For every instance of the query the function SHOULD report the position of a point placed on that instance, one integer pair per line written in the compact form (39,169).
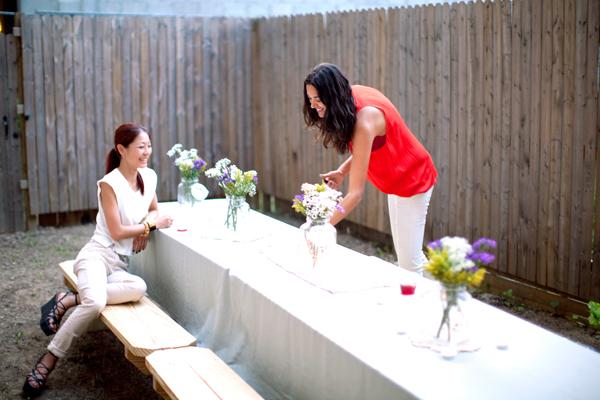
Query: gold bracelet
(151,224)
(146,229)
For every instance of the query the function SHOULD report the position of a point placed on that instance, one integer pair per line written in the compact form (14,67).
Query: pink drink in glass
(407,289)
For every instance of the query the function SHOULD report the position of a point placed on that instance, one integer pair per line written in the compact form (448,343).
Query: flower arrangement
(189,163)
(317,202)
(456,264)
(233,180)
(453,261)
(236,184)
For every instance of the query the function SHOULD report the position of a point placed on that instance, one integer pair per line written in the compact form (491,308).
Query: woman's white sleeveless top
(133,207)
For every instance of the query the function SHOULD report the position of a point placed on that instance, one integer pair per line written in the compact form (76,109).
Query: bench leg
(159,389)
(139,362)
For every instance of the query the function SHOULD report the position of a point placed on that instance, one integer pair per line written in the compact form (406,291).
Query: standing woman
(128,212)
(383,150)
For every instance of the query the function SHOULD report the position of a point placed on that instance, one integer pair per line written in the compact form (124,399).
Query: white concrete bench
(190,373)
(141,326)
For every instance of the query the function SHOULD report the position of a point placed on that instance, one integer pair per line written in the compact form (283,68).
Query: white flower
(457,248)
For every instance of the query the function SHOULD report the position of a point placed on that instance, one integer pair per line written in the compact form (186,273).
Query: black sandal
(50,321)
(38,376)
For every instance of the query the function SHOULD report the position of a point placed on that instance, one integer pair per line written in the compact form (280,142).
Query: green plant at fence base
(508,294)
(594,317)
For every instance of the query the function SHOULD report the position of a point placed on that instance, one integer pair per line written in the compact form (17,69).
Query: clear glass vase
(190,192)
(320,236)
(454,325)
(237,211)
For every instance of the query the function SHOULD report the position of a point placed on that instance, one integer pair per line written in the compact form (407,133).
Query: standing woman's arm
(369,122)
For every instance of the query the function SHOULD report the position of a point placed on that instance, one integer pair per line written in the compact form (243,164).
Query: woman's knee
(93,304)
(138,289)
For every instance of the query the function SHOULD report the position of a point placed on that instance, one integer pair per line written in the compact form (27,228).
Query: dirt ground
(96,367)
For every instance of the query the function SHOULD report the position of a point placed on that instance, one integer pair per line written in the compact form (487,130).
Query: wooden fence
(186,79)
(505,97)
(503,94)
(12,209)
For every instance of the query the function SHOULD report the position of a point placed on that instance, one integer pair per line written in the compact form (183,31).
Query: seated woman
(128,212)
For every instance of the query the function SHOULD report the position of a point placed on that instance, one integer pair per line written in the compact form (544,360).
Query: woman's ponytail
(112,160)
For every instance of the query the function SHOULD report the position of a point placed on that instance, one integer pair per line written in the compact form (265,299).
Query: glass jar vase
(454,327)
(190,192)
(237,211)
(320,236)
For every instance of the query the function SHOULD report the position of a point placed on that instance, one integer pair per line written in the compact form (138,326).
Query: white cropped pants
(101,279)
(407,220)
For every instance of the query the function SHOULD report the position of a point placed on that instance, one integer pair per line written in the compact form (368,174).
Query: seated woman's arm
(117,230)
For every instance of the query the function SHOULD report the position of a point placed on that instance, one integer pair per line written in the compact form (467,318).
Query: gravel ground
(96,367)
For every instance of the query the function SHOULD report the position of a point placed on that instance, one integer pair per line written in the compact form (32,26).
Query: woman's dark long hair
(335,92)
(124,135)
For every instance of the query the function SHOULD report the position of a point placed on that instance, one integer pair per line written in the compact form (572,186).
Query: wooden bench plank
(197,373)
(142,326)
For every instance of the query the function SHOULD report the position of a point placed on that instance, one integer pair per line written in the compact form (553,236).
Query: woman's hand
(139,243)
(164,221)
(334,179)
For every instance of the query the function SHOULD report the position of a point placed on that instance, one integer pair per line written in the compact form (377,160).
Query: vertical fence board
(80,134)
(40,116)
(461,160)
(544,218)
(68,166)
(525,149)
(506,33)
(107,87)
(86,123)
(516,131)
(495,108)
(15,166)
(486,122)
(477,107)
(589,274)
(534,246)
(30,123)
(60,95)
(555,267)
(5,201)
(50,113)
(568,187)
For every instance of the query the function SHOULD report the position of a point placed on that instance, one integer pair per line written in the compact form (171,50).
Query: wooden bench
(141,326)
(196,373)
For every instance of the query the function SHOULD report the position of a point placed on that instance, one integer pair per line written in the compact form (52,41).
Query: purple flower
(299,197)
(255,179)
(484,243)
(226,179)
(436,245)
(483,258)
(199,163)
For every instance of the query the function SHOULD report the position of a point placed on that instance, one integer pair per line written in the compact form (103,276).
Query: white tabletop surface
(294,332)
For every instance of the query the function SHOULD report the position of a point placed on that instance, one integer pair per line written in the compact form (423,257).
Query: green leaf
(594,318)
